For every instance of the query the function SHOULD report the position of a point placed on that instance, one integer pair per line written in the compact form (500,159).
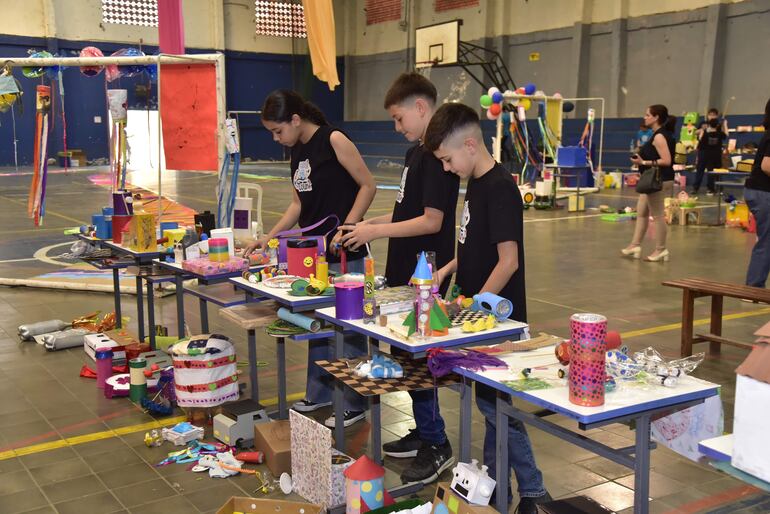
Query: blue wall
(249,78)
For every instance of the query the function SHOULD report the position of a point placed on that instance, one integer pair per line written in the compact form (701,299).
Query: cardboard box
(93,341)
(274,440)
(455,504)
(262,505)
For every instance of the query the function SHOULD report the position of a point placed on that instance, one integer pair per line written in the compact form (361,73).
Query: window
(380,11)
(143,13)
(280,18)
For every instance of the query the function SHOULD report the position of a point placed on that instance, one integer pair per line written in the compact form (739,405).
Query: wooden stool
(250,317)
(684,214)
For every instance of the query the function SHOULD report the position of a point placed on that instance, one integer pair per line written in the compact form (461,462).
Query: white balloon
(492,90)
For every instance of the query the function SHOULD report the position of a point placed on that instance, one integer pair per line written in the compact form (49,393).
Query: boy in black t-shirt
(490,258)
(423,218)
(711,136)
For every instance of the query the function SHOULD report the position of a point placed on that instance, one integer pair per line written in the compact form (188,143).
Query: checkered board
(466,315)
(416,377)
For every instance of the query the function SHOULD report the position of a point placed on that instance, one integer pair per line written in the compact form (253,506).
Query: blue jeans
(700,171)
(320,384)
(425,408)
(759,265)
(520,457)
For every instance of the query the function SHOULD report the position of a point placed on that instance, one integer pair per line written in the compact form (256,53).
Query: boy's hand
(258,244)
(358,235)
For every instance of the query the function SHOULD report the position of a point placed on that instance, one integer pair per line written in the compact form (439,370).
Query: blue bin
(571,156)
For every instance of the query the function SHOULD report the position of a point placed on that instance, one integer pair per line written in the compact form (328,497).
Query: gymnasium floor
(572,266)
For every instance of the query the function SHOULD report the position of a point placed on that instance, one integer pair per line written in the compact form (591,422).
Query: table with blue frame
(140,259)
(504,331)
(300,304)
(738,179)
(626,404)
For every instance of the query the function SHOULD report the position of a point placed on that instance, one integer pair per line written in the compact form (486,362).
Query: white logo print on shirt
(464,223)
(302,181)
(400,195)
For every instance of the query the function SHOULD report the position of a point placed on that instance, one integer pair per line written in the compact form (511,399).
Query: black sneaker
(405,447)
(351,417)
(306,405)
(430,462)
(528,505)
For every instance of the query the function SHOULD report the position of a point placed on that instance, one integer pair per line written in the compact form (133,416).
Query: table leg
(151,314)
(116,293)
(204,310)
(688,309)
(283,410)
(642,465)
(716,322)
(501,444)
(376,428)
(339,395)
(252,341)
(179,305)
(719,205)
(466,393)
(140,307)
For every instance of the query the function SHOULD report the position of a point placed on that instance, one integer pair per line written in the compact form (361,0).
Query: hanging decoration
(91,71)
(33,72)
(226,196)
(10,93)
(36,202)
(117,100)
(113,71)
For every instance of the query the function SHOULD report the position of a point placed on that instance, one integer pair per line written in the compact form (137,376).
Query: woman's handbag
(650,181)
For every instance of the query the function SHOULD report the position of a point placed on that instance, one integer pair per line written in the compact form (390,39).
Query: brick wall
(379,11)
(446,5)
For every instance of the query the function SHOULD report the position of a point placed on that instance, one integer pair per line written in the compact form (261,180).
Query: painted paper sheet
(189,116)
(683,430)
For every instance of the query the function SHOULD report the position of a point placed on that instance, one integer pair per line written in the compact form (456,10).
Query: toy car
(235,425)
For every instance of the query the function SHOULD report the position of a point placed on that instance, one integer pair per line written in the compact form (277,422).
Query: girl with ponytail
(658,151)
(329,178)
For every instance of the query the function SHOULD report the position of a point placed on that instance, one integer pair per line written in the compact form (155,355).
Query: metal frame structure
(217,59)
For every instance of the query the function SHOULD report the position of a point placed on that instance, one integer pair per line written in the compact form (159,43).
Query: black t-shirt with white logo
(710,146)
(493,213)
(424,183)
(324,186)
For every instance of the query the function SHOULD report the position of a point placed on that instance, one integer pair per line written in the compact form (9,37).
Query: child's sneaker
(405,447)
(430,462)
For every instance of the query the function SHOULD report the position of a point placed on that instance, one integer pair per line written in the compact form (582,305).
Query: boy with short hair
(711,136)
(490,258)
(423,219)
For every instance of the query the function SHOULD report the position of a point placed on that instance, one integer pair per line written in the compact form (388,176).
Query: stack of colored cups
(218,250)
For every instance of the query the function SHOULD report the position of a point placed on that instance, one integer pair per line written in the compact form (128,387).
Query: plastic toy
(480,325)
(235,425)
(380,366)
(472,483)
(182,433)
(496,305)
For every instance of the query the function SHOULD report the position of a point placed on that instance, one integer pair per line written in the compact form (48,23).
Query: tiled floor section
(571,267)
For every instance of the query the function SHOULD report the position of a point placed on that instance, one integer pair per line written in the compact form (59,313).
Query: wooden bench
(693,288)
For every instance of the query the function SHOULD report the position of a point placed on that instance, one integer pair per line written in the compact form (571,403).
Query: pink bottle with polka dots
(587,353)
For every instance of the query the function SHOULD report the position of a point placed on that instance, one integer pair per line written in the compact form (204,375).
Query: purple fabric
(441,362)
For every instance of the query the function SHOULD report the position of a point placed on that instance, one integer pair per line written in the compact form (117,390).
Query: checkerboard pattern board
(416,377)
(143,13)
(280,18)
(466,315)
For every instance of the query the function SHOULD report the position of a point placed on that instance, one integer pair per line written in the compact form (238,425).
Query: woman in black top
(757,196)
(658,151)
(329,177)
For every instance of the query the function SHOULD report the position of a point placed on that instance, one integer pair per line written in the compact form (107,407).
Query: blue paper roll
(313,325)
(99,222)
(491,303)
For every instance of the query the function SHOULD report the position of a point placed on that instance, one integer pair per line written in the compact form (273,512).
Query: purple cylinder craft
(167,380)
(122,203)
(349,300)
(588,348)
(103,366)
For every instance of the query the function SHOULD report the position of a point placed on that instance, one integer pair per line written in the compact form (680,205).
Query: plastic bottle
(103,366)
(27,332)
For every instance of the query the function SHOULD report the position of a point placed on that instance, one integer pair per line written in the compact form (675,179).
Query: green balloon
(485,101)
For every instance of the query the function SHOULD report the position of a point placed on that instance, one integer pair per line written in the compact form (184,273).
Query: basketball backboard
(437,45)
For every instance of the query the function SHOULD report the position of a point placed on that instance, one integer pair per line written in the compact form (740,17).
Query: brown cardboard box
(455,504)
(255,506)
(274,440)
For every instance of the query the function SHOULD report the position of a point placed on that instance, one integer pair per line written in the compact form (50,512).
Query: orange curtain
(322,40)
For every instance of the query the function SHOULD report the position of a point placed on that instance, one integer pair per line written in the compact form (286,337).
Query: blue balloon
(530,89)
(152,72)
(497,97)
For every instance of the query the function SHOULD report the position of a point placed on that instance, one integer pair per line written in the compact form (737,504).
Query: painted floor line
(115,432)
(697,322)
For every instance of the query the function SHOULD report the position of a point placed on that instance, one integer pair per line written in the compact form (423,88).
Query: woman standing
(757,195)
(329,177)
(658,151)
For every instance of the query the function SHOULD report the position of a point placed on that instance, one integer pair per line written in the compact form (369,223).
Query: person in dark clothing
(423,219)
(658,151)
(490,258)
(329,178)
(757,196)
(711,137)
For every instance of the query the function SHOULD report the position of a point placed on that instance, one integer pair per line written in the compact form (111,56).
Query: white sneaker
(350,418)
(306,405)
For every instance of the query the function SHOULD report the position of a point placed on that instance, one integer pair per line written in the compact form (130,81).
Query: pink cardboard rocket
(364,486)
